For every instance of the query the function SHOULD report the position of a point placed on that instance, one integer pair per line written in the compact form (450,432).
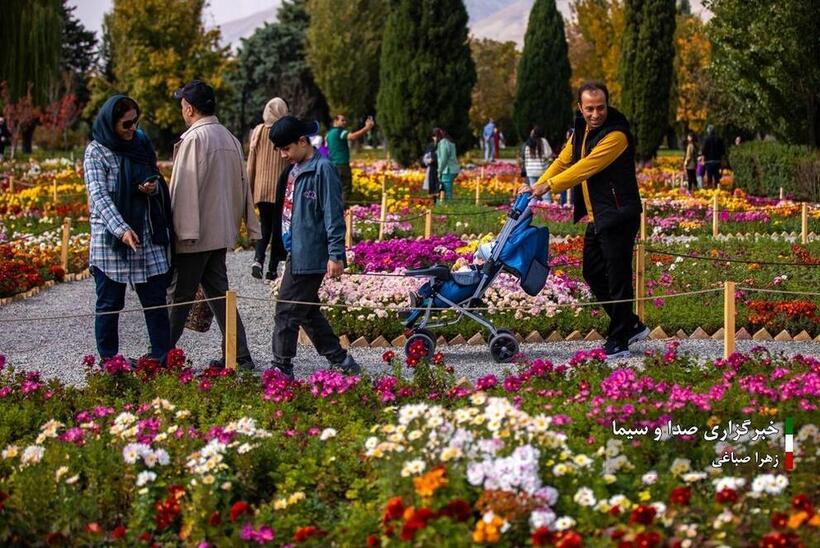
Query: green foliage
(761,63)
(494,91)
(30,55)
(543,96)
(155,47)
(763,168)
(272,63)
(78,53)
(426,75)
(344,49)
(647,56)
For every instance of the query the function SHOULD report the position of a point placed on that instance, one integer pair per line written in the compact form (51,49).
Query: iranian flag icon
(789,431)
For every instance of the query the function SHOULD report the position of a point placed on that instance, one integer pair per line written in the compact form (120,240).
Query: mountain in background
(502,20)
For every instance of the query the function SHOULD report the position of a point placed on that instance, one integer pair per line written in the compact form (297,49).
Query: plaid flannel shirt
(102,167)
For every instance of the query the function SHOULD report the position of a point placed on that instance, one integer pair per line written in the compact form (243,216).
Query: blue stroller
(520,249)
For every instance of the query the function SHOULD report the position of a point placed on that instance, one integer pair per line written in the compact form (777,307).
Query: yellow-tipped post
(715,213)
(640,281)
(383,216)
(428,224)
(230,329)
(349,228)
(64,243)
(804,224)
(728,318)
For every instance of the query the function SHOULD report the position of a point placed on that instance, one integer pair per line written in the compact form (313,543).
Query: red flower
(643,515)
(417,520)
(3,498)
(175,359)
(118,532)
(615,510)
(393,510)
(680,495)
(373,541)
(568,539)
(215,519)
(541,537)
(457,510)
(802,502)
(438,358)
(779,520)
(726,496)
(388,356)
(773,540)
(647,539)
(304,533)
(238,509)
(55,538)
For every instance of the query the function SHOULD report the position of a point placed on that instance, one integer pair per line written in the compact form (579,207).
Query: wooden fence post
(428,224)
(804,224)
(64,244)
(715,216)
(643,221)
(441,196)
(781,194)
(54,190)
(728,319)
(478,192)
(349,228)
(640,281)
(11,183)
(230,329)
(383,216)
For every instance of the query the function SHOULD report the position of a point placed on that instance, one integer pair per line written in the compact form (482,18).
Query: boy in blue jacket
(309,206)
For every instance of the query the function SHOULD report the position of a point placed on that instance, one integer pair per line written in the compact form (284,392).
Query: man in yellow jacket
(599,160)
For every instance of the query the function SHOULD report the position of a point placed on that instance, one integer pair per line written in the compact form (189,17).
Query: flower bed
(677,454)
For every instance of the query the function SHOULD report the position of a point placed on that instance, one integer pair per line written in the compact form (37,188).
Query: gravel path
(56,347)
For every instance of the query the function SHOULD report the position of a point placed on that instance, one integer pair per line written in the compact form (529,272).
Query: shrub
(762,168)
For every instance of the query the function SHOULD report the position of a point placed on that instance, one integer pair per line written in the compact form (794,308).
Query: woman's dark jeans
(111,298)
(266,220)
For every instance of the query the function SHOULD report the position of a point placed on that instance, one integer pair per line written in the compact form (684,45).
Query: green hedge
(762,168)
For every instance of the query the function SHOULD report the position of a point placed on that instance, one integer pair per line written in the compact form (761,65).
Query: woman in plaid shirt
(130,225)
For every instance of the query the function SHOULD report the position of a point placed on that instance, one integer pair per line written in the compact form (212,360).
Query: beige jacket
(209,193)
(265,164)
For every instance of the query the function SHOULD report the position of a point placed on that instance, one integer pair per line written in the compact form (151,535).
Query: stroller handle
(523,201)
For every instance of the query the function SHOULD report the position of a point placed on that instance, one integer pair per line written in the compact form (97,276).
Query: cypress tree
(647,57)
(543,96)
(426,75)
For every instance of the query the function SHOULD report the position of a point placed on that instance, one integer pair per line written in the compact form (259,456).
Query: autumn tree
(494,91)
(426,75)
(594,37)
(344,42)
(543,96)
(155,47)
(690,90)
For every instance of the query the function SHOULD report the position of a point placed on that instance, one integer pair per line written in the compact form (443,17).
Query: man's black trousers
(608,271)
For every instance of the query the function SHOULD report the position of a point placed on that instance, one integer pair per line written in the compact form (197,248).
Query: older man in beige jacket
(210,197)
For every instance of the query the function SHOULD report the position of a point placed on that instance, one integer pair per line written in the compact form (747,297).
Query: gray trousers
(208,269)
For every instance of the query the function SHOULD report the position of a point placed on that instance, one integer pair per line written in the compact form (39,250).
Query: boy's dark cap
(288,129)
(200,95)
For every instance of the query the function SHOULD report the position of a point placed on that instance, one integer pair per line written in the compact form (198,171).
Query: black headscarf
(138,162)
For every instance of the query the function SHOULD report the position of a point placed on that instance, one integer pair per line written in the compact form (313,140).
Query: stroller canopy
(526,254)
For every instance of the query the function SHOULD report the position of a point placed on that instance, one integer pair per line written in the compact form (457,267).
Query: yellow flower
(644,496)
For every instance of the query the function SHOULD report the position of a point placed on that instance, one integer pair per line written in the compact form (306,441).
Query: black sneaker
(639,332)
(286,370)
(349,366)
(271,275)
(615,350)
(256,270)
(246,364)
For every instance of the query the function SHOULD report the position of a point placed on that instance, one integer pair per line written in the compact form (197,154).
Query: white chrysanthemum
(649,478)
(10,451)
(145,477)
(563,523)
(680,466)
(327,433)
(450,453)
(582,460)
(809,431)
(728,483)
(32,454)
(692,477)
(584,497)
(414,435)
(478,398)
(413,468)
(371,443)
(541,517)
(162,457)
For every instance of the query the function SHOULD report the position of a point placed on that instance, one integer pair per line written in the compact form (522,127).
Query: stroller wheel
(503,347)
(423,337)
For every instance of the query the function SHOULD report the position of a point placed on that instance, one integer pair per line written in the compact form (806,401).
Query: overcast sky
(91,12)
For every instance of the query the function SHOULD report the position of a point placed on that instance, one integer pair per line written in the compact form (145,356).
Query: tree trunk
(28,137)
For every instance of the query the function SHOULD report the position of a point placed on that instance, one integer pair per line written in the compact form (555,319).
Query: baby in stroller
(520,249)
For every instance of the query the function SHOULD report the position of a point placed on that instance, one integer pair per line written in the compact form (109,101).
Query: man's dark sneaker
(286,370)
(349,366)
(638,333)
(615,350)
(271,275)
(256,270)
(217,364)
(246,364)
